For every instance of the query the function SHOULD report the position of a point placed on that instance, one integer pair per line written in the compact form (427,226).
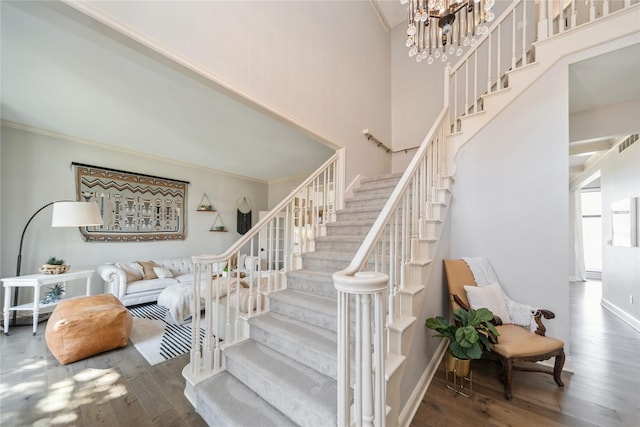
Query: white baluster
(573,13)
(513,40)
(592,11)
(466,87)
(498,54)
(344,375)
(476,91)
(489,66)
(543,24)
(524,32)
(561,17)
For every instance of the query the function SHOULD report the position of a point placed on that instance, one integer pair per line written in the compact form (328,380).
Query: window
(592,229)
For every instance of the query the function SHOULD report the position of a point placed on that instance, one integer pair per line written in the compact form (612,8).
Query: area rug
(156,336)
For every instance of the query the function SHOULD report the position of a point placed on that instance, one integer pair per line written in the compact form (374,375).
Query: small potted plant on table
(54,266)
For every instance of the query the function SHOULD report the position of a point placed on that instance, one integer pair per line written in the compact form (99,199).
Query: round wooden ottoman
(81,327)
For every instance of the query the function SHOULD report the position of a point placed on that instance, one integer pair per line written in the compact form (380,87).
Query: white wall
(511,199)
(36,169)
(620,179)
(323,65)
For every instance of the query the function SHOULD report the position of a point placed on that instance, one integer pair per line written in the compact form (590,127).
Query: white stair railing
(507,46)
(231,287)
(377,273)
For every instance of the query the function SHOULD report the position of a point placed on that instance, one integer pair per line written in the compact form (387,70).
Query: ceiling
(64,73)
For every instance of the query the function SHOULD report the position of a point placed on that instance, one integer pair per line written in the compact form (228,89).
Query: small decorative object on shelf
(54,266)
(205,204)
(218,225)
(53,295)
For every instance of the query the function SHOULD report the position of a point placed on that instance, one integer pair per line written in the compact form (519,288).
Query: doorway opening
(591,206)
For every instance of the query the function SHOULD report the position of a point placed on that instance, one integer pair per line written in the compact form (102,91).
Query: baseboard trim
(617,311)
(413,403)
(568,364)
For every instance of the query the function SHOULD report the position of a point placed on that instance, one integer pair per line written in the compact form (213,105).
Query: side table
(36,281)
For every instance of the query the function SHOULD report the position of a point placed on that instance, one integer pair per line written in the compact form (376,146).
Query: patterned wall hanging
(134,207)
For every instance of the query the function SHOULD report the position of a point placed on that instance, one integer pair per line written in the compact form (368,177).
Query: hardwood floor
(119,388)
(603,391)
(116,388)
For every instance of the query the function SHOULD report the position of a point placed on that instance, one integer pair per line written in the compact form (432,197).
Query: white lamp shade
(75,214)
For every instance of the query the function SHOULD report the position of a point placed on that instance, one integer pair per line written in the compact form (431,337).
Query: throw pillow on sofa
(147,268)
(132,270)
(162,273)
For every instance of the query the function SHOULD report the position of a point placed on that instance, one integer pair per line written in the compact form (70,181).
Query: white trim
(413,403)
(383,20)
(626,317)
(568,364)
(348,192)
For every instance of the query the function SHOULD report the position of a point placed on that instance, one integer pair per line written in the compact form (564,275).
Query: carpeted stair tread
(306,301)
(312,281)
(301,393)
(226,402)
(305,307)
(310,345)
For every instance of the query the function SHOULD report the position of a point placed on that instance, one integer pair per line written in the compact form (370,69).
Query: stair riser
(335,246)
(293,408)
(351,216)
(312,287)
(319,264)
(365,203)
(351,230)
(289,346)
(382,192)
(327,321)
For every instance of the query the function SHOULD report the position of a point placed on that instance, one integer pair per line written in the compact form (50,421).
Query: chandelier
(436,27)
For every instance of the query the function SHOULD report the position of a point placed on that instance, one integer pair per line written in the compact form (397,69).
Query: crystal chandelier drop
(440,27)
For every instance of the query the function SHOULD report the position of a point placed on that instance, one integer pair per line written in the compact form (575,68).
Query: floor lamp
(66,213)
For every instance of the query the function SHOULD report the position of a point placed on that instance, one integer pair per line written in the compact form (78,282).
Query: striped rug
(156,336)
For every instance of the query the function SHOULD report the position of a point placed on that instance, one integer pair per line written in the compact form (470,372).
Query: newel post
(369,401)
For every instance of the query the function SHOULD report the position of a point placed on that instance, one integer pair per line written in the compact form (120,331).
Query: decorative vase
(461,367)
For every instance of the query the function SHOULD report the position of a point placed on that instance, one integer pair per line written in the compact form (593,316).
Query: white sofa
(126,280)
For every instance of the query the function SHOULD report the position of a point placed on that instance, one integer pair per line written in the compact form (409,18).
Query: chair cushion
(516,341)
(81,327)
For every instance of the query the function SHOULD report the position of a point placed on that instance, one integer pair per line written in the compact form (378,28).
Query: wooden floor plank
(603,391)
(120,388)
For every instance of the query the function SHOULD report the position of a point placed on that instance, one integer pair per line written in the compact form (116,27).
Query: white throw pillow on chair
(491,297)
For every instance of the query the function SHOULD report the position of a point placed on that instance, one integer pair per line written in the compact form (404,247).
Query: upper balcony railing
(507,46)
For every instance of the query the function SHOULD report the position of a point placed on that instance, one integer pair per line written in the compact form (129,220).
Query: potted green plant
(54,265)
(469,336)
(54,294)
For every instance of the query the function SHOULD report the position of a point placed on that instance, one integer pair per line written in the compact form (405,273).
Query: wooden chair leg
(557,368)
(508,374)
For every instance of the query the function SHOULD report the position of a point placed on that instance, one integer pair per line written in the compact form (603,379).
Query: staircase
(285,373)
(292,369)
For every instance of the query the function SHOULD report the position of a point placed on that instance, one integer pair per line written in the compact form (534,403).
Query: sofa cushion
(184,278)
(149,285)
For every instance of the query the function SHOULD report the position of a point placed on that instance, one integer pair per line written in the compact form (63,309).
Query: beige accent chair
(515,343)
